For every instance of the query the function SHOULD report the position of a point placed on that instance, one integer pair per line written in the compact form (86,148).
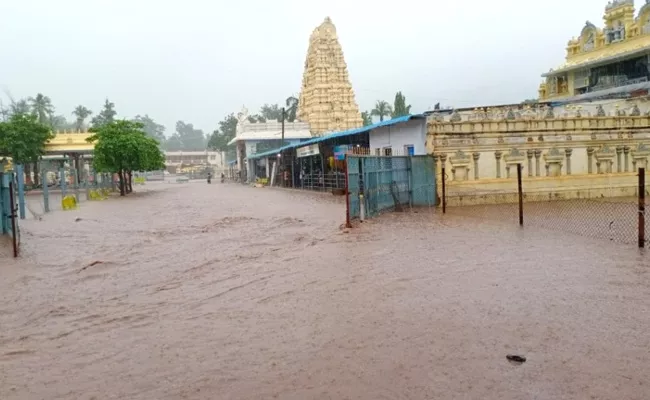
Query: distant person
(209,177)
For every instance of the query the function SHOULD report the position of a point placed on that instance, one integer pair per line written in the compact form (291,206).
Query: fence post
(641,207)
(520,192)
(21,189)
(347,195)
(444,192)
(409,165)
(14,228)
(46,191)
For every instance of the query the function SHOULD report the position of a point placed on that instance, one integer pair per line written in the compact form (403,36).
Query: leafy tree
(106,116)
(192,139)
(382,109)
(81,113)
(122,147)
(399,106)
(151,128)
(256,118)
(19,107)
(42,107)
(228,126)
(218,141)
(226,132)
(271,112)
(292,108)
(367,118)
(59,122)
(23,138)
(174,143)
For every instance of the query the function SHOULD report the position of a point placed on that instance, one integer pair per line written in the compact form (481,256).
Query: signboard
(340,151)
(307,151)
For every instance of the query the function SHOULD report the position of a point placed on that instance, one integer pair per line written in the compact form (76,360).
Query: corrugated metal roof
(334,135)
(270,135)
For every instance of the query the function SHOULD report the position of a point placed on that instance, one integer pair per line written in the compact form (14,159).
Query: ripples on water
(223,291)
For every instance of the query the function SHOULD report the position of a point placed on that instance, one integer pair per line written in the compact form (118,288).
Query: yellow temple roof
(623,35)
(610,53)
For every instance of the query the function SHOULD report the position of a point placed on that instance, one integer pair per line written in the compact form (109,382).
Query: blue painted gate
(390,182)
(9,209)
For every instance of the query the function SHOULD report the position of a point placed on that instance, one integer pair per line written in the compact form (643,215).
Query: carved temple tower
(327,100)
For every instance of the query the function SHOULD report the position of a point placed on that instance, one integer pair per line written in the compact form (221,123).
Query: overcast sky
(198,60)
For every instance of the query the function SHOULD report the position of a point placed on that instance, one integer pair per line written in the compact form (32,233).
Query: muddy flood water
(196,291)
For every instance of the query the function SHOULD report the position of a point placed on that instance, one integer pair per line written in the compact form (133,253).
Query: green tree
(382,109)
(106,116)
(226,132)
(122,147)
(19,107)
(23,138)
(292,108)
(399,106)
(218,141)
(174,143)
(271,112)
(151,128)
(81,113)
(42,107)
(192,139)
(256,118)
(59,123)
(367,118)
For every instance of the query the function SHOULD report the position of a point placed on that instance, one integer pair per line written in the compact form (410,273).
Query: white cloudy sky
(198,60)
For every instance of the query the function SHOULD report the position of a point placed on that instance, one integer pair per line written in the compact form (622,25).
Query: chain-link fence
(617,219)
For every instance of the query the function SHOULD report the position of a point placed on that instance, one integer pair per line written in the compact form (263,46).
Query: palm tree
(42,107)
(292,108)
(81,113)
(382,109)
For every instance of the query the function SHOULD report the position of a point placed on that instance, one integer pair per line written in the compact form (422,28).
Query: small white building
(258,137)
(214,159)
(400,136)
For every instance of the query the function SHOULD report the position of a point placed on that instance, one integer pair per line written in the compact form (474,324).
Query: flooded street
(196,291)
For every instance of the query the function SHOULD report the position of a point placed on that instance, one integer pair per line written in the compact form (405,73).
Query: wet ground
(227,292)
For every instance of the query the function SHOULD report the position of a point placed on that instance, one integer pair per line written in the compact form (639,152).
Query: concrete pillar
(497,156)
(567,153)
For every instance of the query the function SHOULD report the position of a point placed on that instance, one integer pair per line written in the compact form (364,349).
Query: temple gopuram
(607,62)
(327,100)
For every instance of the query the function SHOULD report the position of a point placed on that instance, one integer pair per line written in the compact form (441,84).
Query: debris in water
(90,265)
(516,359)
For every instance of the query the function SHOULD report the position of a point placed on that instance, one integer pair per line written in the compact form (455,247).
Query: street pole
(283,116)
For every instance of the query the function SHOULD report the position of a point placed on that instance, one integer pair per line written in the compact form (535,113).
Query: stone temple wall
(562,158)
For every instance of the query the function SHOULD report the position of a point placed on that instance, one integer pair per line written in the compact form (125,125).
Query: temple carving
(608,61)
(327,100)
